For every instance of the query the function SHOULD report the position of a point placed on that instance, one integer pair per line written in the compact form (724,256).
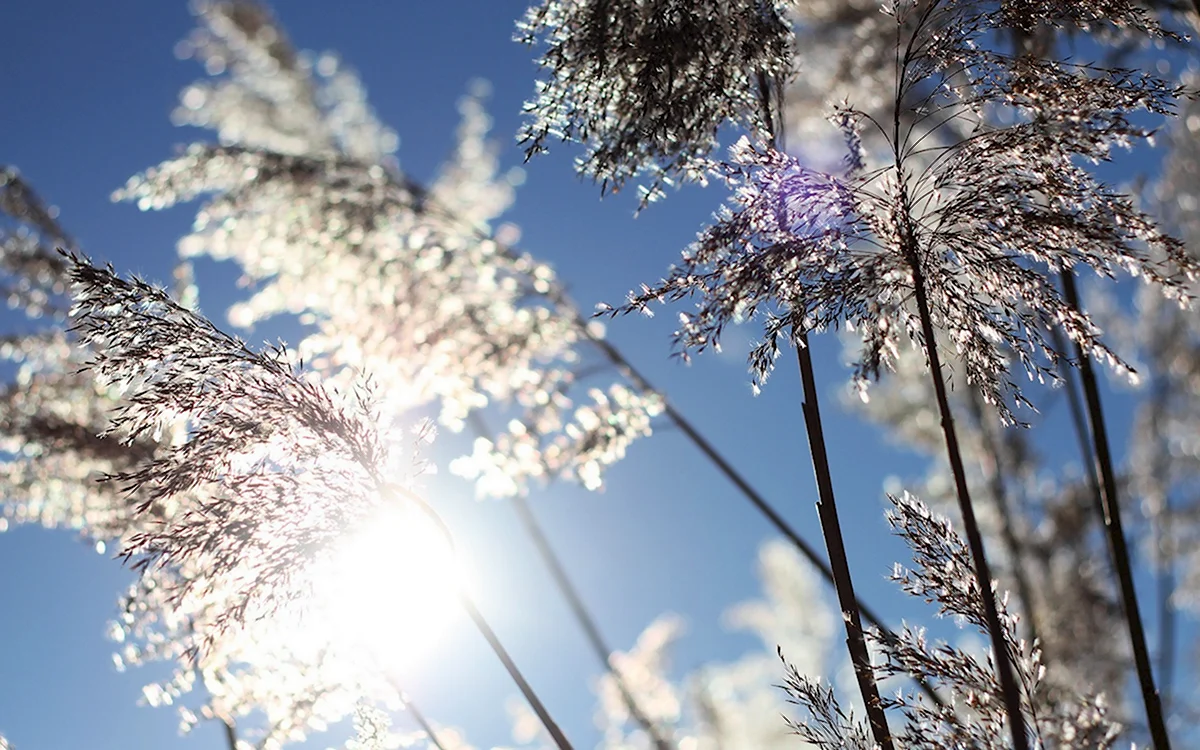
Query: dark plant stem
(586,621)
(992,465)
(228,727)
(1160,518)
(556,734)
(1167,630)
(1116,535)
(489,635)
(422,722)
(831,527)
(583,616)
(1079,423)
(414,712)
(747,490)
(1011,692)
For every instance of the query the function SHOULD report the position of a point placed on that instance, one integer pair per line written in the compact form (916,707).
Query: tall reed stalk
(831,528)
(1168,630)
(1011,692)
(230,733)
(417,715)
(493,640)
(1079,424)
(587,622)
(1115,534)
(481,624)
(1160,520)
(993,470)
(422,722)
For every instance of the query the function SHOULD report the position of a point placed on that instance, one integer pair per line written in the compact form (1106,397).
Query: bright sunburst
(391,587)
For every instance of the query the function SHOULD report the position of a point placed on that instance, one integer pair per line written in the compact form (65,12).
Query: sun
(391,587)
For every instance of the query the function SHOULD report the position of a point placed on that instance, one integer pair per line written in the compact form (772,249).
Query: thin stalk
(481,623)
(856,642)
(586,621)
(1167,621)
(1160,516)
(228,728)
(1011,692)
(1079,423)
(414,712)
(727,470)
(422,722)
(583,616)
(992,465)
(489,635)
(1117,545)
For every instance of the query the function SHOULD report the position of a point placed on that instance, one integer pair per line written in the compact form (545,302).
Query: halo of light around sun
(391,588)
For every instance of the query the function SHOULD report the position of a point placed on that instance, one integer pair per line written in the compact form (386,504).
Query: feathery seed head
(645,85)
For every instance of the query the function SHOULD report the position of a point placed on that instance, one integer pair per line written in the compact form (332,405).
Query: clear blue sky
(86,92)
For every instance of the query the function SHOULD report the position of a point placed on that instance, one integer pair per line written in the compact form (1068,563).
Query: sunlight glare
(391,588)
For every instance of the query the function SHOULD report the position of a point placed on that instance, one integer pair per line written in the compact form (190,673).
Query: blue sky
(87,91)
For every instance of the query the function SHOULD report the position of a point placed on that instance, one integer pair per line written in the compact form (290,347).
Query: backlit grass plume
(52,414)
(645,85)
(29,231)
(276,469)
(402,280)
(278,472)
(808,250)
(986,220)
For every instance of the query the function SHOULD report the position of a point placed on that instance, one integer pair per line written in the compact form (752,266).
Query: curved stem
(1011,692)
(1117,545)
(856,642)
